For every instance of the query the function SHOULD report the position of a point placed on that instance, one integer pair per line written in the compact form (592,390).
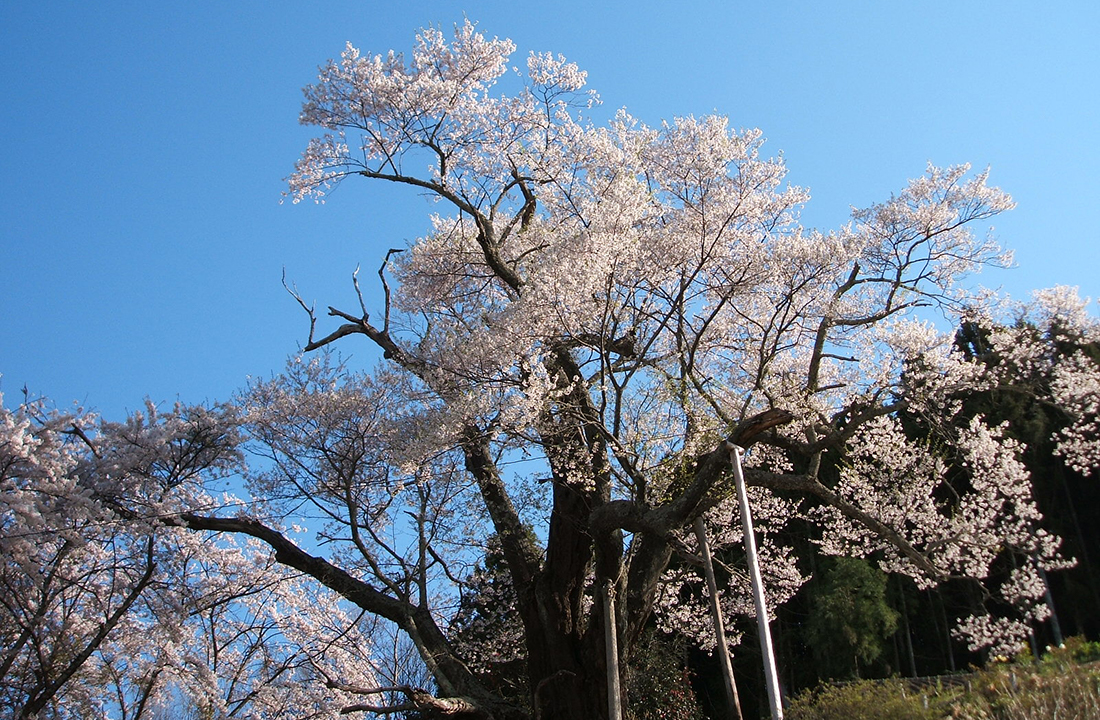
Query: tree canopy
(600,315)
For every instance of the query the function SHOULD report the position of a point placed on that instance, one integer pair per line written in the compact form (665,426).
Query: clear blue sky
(144,145)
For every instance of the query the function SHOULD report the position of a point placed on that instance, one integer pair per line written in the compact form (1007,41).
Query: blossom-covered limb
(453,676)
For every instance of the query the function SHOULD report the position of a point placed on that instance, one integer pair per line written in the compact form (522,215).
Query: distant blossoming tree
(109,609)
(82,578)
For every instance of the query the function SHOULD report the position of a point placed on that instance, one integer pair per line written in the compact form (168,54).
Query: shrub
(1063,685)
(658,681)
(867,700)
(1044,691)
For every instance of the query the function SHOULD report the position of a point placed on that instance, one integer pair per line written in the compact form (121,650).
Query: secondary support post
(770,675)
(719,622)
(611,654)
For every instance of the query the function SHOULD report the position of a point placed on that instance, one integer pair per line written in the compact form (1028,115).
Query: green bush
(867,700)
(658,681)
(1041,692)
(1063,685)
(1078,650)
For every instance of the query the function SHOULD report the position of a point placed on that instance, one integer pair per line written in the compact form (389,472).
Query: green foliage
(1064,684)
(659,682)
(850,618)
(1050,689)
(866,700)
(1078,649)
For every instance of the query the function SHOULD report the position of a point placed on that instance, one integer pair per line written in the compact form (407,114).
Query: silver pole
(770,675)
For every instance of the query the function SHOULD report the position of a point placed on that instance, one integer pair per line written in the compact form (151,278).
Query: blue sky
(142,237)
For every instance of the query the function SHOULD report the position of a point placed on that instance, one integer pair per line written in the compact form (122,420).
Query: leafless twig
(293,290)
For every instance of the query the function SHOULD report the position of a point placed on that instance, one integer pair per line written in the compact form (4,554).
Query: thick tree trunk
(568,683)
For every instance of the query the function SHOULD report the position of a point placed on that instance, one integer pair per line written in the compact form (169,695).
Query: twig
(309,309)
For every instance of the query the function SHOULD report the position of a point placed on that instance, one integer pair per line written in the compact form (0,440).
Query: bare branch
(417,700)
(308,308)
(385,288)
(75,429)
(358,292)
(340,332)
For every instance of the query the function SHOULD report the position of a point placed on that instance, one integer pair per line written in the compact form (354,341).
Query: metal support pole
(611,654)
(770,675)
(1055,626)
(719,621)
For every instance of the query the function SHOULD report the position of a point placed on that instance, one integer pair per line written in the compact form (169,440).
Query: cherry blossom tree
(108,607)
(85,555)
(1042,359)
(597,316)
(1047,349)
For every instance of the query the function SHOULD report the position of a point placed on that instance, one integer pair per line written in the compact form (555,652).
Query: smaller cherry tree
(1042,371)
(109,606)
(85,552)
(1048,348)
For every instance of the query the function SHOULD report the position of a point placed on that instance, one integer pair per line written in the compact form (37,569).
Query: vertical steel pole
(770,675)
